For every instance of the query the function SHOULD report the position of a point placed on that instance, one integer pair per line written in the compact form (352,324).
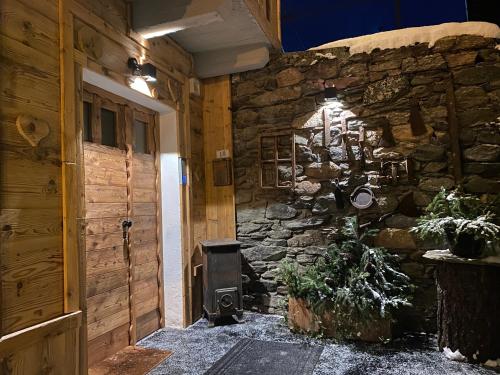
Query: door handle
(126,224)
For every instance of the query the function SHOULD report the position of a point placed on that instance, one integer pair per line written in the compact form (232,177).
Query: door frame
(170,194)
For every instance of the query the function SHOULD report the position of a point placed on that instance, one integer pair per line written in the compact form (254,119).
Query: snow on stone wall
(413,35)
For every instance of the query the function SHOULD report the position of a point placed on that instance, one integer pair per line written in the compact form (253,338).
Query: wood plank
(144,195)
(105,304)
(105,177)
(101,210)
(25,338)
(31,300)
(144,209)
(148,323)
(103,241)
(30,86)
(100,283)
(100,327)
(217,129)
(21,188)
(104,225)
(105,193)
(147,305)
(104,157)
(30,27)
(144,180)
(145,252)
(146,287)
(106,260)
(145,270)
(107,344)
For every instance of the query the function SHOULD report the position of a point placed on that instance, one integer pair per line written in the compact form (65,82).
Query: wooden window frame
(277,161)
(124,112)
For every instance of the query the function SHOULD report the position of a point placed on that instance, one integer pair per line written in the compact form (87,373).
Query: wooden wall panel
(217,128)
(46,348)
(143,236)
(31,266)
(107,258)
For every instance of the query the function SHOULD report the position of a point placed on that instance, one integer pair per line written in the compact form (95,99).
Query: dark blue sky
(308,23)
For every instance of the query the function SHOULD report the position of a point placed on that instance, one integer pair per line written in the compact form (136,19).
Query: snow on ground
(412,35)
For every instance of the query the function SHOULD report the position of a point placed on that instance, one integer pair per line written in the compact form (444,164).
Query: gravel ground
(196,348)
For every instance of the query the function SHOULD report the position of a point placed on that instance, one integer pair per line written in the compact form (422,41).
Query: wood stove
(222,291)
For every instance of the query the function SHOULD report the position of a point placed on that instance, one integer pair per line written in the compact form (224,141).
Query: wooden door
(123,265)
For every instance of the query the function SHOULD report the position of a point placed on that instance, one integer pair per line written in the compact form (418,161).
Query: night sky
(309,23)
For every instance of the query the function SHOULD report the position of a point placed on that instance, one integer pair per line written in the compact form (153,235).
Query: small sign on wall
(222,171)
(222,154)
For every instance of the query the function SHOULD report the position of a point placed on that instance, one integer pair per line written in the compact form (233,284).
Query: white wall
(171,220)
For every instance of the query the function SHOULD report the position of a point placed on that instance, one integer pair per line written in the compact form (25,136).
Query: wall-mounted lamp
(146,71)
(330,93)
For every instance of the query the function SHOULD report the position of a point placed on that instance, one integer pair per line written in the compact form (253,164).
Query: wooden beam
(68,158)
(269,27)
(81,221)
(217,129)
(26,337)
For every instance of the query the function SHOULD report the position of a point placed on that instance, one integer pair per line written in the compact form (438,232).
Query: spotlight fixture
(146,71)
(330,93)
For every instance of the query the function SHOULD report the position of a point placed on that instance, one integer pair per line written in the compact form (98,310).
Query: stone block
(477,75)
(387,89)
(307,188)
(470,96)
(393,238)
(423,63)
(484,152)
(478,184)
(280,211)
(307,223)
(435,184)
(309,120)
(461,58)
(323,171)
(277,96)
(289,77)
(429,152)
(265,253)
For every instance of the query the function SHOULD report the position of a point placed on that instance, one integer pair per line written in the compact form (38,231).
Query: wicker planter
(302,319)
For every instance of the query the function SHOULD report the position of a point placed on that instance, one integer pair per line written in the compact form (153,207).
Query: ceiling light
(330,93)
(146,71)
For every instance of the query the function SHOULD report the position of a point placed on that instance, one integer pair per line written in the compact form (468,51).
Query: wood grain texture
(217,126)
(31,253)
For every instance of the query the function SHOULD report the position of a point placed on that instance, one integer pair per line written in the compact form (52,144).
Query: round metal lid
(362,197)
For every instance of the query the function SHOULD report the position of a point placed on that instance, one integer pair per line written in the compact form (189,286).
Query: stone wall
(374,90)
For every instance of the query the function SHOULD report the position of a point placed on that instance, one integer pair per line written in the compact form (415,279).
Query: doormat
(130,361)
(250,356)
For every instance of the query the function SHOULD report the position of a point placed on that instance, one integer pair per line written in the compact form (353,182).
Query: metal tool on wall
(339,195)
(361,142)
(416,121)
(343,124)
(387,139)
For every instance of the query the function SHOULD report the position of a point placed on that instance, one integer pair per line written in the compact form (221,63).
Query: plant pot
(465,245)
(333,324)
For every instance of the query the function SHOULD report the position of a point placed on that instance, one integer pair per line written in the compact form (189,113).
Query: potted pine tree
(350,292)
(463,220)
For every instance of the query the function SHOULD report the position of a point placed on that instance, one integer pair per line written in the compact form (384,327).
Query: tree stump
(469,307)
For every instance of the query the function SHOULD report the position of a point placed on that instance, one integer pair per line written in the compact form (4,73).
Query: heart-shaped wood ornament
(32,129)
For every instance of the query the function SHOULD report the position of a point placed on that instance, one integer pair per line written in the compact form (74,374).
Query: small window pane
(108,127)
(140,140)
(267,148)
(268,175)
(87,124)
